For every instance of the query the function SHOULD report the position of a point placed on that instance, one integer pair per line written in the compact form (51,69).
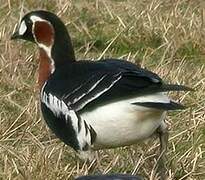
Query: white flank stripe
(82,137)
(58,107)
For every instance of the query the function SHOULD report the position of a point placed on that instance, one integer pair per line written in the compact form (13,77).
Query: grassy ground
(166,36)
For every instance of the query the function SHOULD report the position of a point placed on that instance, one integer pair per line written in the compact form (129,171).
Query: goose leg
(163,134)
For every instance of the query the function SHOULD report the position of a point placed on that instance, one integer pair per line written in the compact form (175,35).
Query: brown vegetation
(164,36)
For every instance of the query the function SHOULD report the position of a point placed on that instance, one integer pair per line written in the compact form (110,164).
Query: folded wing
(105,81)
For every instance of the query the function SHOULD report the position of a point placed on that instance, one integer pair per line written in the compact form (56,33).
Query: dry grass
(164,36)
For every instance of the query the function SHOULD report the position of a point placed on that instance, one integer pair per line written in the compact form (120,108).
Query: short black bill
(15,35)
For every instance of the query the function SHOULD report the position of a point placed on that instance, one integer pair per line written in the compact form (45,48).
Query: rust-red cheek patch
(44,33)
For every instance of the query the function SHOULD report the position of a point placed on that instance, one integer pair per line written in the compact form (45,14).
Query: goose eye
(29,21)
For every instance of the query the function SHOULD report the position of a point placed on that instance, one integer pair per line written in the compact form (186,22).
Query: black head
(27,24)
(24,30)
(47,30)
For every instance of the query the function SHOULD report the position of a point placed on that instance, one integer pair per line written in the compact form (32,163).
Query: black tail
(174,87)
(165,88)
(163,106)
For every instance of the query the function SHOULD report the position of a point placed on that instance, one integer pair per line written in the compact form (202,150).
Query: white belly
(121,123)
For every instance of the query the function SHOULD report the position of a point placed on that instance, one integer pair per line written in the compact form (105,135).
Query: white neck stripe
(47,49)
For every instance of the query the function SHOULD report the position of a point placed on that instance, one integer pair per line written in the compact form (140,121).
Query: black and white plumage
(94,105)
(106,103)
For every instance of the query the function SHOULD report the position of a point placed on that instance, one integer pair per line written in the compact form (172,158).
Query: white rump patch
(22,28)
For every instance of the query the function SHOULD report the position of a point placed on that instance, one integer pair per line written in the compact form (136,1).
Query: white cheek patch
(22,28)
